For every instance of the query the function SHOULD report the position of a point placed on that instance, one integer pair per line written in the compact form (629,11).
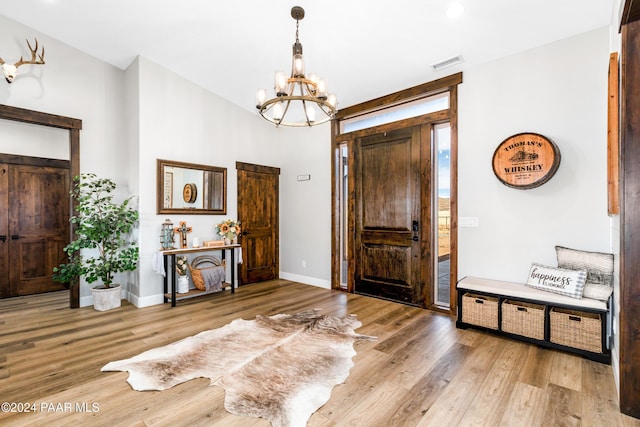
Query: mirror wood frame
(161,164)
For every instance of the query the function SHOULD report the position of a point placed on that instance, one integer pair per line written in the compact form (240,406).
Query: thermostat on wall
(304,177)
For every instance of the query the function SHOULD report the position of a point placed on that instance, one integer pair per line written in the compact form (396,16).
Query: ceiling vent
(447,63)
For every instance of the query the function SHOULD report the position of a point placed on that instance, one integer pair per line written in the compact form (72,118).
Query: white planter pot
(106,298)
(183,285)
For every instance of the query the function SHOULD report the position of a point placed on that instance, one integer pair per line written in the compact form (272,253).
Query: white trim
(306,280)
(615,367)
(145,301)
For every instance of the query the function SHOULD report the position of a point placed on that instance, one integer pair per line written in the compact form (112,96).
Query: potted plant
(102,246)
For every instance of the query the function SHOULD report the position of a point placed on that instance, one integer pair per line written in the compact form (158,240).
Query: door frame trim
(250,167)
(73,126)
(444,84)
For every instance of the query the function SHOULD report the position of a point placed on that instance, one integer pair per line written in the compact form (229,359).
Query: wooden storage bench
(581,326)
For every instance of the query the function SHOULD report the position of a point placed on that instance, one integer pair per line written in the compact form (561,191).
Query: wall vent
(447,63)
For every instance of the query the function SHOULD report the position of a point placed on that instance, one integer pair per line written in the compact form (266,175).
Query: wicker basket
(577,329)
(196,269)
(522,318)
(480,310)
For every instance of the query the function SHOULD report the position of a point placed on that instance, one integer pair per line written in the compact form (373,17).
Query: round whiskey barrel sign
(526,160)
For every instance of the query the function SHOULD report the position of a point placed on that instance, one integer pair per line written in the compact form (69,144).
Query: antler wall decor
(10,70)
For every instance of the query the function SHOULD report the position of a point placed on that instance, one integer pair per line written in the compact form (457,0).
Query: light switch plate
(304,177)
(468,221)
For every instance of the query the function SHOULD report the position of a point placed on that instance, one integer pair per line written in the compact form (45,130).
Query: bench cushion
(519,290)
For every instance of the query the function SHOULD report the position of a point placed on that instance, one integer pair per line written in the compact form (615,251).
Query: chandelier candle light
(304,101)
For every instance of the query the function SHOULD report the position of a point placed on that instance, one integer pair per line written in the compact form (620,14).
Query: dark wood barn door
(34,226)
(258,210)
(391,227)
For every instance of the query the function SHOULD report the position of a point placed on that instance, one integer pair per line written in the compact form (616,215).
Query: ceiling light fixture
(303,101)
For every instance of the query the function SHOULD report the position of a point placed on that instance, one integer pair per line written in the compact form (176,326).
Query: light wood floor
(421,370)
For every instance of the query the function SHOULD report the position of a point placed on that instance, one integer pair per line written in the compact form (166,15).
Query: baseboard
(87,300)
(615,366)
(145,301)
(321,283)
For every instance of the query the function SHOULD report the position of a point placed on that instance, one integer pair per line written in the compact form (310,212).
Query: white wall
(180,121)
(70,84)
(560,91)
(305,206)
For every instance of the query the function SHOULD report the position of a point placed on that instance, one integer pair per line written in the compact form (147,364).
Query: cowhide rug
(281,368)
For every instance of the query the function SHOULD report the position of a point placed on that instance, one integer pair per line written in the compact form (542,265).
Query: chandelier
(299,101)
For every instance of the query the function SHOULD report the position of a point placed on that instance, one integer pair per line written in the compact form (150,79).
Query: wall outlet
(304,263)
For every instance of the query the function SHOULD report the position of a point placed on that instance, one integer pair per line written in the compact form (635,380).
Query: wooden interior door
(72,164)
(391,227)
(38,227)
(258,207)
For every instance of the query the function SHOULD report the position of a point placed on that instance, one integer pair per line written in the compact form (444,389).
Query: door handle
(415,226)
(3,238)
(16,237)
(244,233)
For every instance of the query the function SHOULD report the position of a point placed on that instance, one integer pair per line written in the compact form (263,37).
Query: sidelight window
(442,211)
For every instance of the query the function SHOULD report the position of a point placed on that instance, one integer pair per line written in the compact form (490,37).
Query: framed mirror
(189,188)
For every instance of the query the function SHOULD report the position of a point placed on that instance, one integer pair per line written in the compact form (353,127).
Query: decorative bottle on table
(166,235)
(183,279)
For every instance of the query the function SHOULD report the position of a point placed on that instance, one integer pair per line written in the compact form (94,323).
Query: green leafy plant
(102,225)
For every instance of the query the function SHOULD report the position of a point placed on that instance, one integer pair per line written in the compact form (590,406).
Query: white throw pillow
(557,280)
(597,291)
(599,266)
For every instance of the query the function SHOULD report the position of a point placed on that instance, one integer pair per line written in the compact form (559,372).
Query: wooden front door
(258,197)
(391,215)
(34,227)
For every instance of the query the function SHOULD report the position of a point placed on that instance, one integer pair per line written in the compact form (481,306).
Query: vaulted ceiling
(364,49)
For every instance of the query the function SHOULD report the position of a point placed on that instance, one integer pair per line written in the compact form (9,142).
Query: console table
(169,256)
